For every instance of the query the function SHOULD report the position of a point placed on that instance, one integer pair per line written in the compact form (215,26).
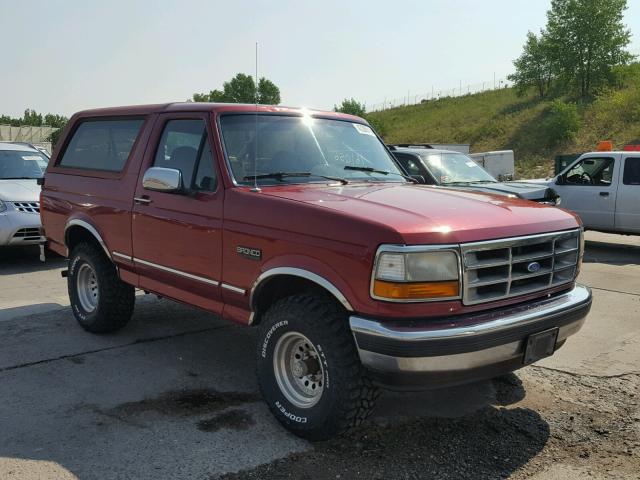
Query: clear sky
(61,56)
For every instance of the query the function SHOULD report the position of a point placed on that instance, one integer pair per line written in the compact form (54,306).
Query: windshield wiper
(381,172)
(282,175)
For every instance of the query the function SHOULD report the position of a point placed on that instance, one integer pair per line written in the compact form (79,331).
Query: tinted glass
(631,171)
(15,164)
(184,146)
(303,144)
(102,144)
(591,171)
(409,163)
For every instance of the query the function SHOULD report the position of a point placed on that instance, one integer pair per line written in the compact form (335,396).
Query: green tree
(268,92)
(56,121)
(242,89)
(351,106)
(32,118)
(533,67)
(562,122)
(586,38)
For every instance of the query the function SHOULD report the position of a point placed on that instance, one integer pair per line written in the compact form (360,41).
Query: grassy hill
(500,119)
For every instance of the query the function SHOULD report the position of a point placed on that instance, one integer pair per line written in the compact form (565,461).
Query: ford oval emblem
(533,267)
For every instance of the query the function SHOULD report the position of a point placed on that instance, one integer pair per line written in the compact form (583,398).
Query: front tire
(100,301)
(308,368)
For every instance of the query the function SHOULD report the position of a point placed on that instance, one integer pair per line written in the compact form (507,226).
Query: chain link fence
(459,91)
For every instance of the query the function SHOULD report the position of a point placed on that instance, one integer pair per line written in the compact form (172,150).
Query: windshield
(21,164)
(455,168)
(302,144)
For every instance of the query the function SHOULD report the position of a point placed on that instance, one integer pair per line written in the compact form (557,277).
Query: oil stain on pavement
(190,402)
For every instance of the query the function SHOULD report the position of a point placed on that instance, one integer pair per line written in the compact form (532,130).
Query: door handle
(144,200)
(604,194)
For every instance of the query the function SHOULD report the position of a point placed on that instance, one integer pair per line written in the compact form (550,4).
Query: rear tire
(100,301)
(308,368)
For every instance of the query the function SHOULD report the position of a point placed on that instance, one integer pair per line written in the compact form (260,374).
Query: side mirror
(159,179)
(560,180)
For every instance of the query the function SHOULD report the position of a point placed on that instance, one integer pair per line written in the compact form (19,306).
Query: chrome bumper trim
(485,338)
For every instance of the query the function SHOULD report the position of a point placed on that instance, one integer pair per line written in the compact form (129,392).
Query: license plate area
(540,345)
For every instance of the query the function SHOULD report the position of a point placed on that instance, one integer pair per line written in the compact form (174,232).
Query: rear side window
(631,171)
(102,144)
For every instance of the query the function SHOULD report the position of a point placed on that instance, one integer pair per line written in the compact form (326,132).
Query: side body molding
(297,272)
(76,222)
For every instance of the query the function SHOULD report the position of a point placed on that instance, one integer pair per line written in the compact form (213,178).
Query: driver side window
(596,172)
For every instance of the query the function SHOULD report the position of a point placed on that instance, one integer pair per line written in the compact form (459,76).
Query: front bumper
(435,353)
(20,228)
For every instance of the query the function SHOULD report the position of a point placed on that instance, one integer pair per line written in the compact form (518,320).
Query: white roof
(16,146)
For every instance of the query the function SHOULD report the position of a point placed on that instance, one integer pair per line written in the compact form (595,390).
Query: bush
(562,123)
(378,125)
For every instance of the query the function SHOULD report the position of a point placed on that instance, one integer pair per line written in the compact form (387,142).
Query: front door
(177,237)
(589,189)
(628,200)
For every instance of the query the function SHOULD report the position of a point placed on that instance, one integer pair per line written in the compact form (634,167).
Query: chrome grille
(27,207)
(499,269)
(32,233)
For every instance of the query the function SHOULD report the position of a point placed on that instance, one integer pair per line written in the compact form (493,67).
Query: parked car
(300,223)
(40,148)
(603,188)
(20,168)
(454,169)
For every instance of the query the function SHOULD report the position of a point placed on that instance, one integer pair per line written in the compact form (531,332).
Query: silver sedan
(20,168)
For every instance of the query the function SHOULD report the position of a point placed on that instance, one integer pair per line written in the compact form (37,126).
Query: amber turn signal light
(416,291)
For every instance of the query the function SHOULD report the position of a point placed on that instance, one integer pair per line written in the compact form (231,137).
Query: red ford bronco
(302,224)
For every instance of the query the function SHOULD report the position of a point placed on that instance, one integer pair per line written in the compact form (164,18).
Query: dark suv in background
(454,169)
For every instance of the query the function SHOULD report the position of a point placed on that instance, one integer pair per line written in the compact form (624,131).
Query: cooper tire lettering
(290,415)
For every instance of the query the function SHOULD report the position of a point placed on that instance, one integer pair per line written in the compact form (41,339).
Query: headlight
(416,276)
(3,206)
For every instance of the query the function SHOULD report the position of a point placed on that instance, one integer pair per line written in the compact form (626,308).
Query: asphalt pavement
(174,395)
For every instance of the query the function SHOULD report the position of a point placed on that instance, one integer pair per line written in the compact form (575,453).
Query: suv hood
(527,190)
(19,190)
(431,214)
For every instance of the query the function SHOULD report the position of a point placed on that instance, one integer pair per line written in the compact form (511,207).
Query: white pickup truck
(603,188)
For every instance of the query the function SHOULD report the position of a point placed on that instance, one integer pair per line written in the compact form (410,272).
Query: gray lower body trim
(233,289)
(210,281)
(177,272)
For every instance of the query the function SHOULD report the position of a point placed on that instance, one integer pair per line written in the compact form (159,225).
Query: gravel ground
(174,396)
(581,426)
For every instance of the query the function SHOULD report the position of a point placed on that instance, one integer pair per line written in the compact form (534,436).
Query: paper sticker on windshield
(31,157)
(363,129)
(472,164)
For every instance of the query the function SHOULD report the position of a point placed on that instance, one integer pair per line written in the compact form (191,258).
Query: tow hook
(64,273)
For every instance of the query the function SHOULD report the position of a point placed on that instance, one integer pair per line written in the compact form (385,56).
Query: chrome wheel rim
(298,370)
(87,287)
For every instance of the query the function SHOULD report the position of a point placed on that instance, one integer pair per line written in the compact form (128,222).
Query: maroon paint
(332,231)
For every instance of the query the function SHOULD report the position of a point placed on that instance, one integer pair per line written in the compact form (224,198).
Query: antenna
(255,136)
